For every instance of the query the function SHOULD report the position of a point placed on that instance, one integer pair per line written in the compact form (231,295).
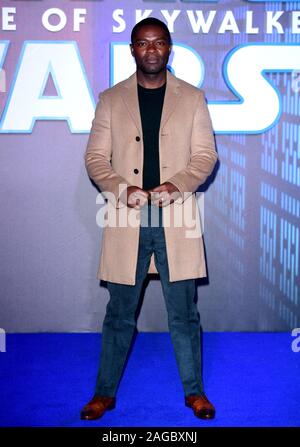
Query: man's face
(151,49)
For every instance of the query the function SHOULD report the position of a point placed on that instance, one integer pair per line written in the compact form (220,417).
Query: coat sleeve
(203,153)
(98,154)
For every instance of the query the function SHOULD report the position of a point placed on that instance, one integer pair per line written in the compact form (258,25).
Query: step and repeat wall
(55,58)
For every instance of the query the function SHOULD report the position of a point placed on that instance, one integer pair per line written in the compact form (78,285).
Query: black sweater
(151,104)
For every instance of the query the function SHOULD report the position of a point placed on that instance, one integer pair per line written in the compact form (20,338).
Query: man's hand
(134,197)
(164,194)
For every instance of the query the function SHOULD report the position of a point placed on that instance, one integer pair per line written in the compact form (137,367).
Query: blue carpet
(253,379)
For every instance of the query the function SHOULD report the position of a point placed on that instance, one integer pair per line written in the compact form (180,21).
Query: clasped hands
(162,195)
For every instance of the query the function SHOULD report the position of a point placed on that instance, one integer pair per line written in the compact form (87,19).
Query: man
(151,145)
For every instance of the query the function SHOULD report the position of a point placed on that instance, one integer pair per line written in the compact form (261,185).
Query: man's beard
(153,68)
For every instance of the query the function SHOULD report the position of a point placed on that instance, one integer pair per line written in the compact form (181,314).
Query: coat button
(137,138)
(136,171)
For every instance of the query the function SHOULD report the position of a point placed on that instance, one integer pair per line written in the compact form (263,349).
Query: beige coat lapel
(171,97)
(130,97)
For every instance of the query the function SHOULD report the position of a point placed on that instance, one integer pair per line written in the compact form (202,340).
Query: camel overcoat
(114,160)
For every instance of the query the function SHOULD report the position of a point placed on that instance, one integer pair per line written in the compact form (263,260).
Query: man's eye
(161,43)
(141,44)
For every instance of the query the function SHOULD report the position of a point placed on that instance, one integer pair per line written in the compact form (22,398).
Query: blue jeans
(120,322)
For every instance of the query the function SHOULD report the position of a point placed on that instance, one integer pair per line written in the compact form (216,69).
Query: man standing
(151,145)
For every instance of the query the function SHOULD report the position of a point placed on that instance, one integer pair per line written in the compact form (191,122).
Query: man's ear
(131,48)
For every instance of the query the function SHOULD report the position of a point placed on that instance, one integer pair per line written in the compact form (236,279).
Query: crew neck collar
(152,89)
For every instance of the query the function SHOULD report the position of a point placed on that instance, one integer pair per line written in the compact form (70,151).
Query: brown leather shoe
(202,407)
(96,407)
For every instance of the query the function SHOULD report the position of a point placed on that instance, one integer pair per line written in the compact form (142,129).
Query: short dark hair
(151,21)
